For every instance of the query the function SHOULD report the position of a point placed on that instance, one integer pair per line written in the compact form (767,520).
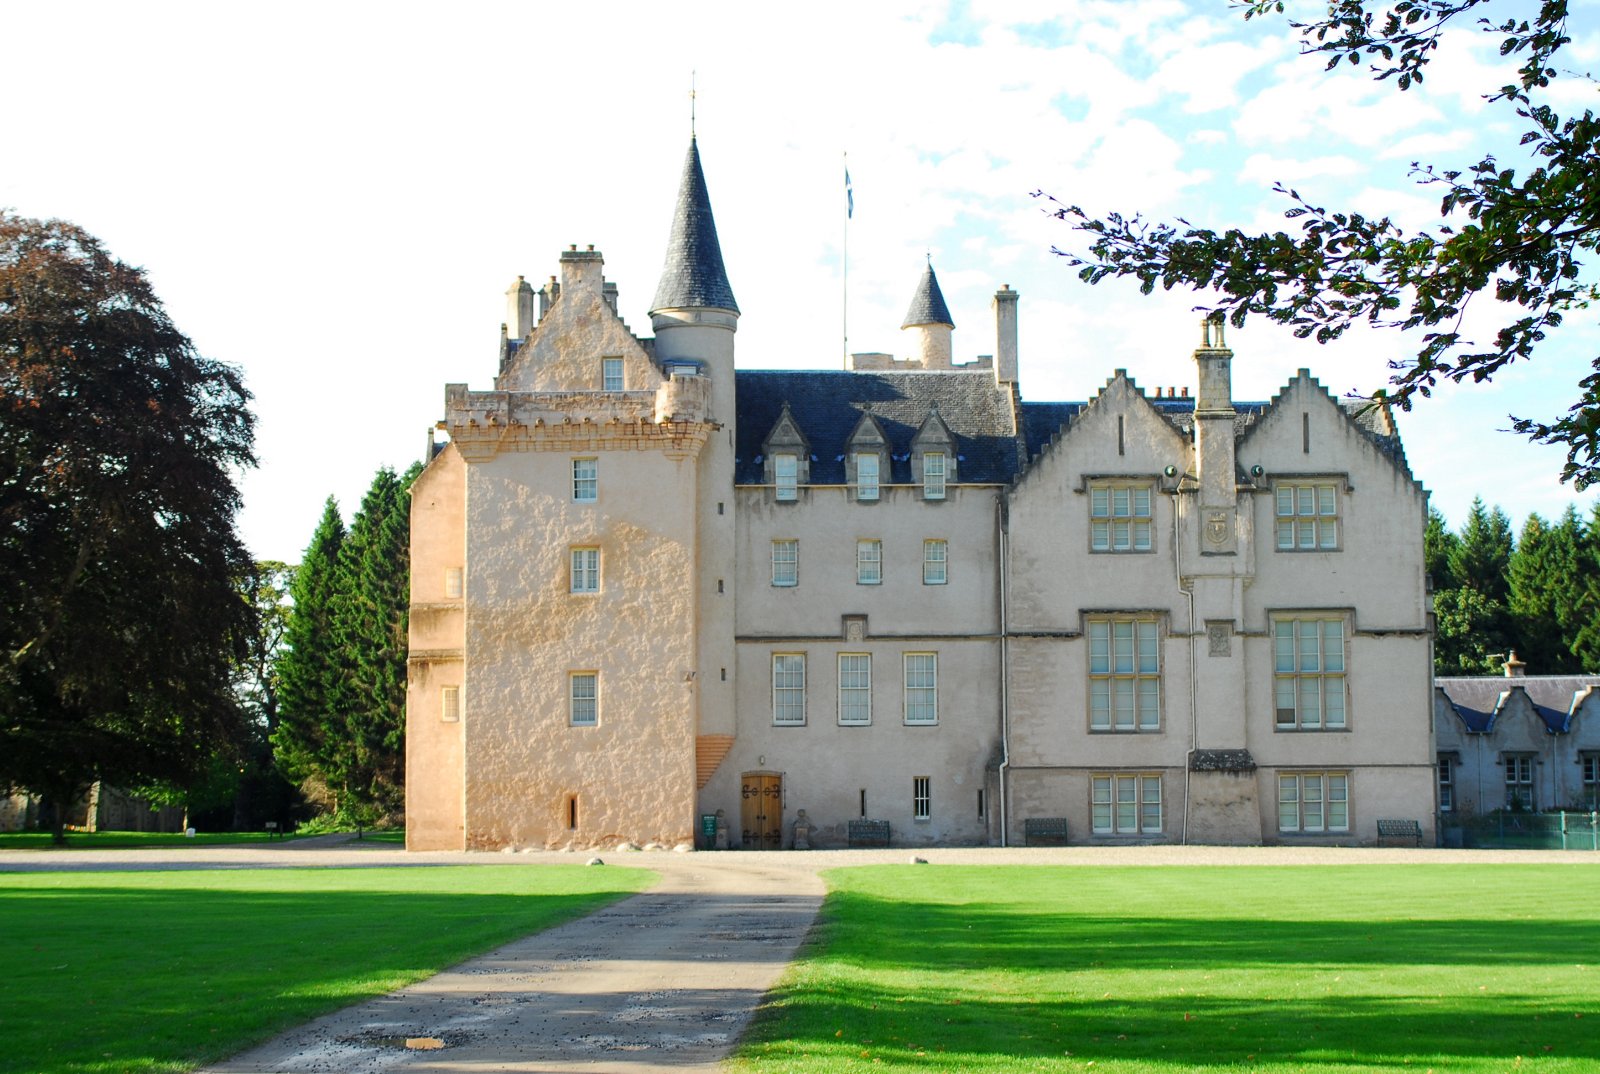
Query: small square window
(583,698)
(935,555)
(585,480)
(1125,805)
(869,562)
(585,570)
(611,374)
(1307,518)
(1120,518)
(454,583)
(1314,802)
(450,704)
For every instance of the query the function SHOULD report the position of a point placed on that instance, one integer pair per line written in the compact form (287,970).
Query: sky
(335,197)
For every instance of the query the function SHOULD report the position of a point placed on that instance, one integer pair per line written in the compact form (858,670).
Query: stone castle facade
(649,587)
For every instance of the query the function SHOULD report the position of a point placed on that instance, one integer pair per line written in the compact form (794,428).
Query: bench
(1408,830)
(869,833)
(1044,832)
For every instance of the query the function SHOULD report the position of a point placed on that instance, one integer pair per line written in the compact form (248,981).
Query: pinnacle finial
(691,105)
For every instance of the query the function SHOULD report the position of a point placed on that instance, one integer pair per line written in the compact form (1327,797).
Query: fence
(1525,831)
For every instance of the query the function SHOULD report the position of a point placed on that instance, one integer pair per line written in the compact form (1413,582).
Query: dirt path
(663,981)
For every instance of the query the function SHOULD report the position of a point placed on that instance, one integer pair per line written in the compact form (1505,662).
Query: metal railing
(1505,830)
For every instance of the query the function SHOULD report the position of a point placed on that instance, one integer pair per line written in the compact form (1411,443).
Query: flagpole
(844,305)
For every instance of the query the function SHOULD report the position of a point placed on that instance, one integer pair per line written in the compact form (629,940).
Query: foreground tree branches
(121,623)
(1518,238)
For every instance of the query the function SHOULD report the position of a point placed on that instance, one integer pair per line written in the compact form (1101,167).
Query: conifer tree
(1472,618)
(1482,554)
(306,740)
(1437,544)
(369,623)
(1546,585)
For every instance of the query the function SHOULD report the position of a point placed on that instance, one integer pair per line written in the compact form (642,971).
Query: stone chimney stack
(581,271)
(519,309)
(1515,669)
(1213,440)
(1005,335)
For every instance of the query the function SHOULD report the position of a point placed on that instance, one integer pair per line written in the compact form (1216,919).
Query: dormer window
(866,475)
(787,456)
(933,475)
(933,457)
(786,477)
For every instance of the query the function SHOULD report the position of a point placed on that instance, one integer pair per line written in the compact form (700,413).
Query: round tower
(694,314)
(930,323)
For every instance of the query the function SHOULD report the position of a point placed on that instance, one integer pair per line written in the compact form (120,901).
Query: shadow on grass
(129,978)
(946,936)
(987,984)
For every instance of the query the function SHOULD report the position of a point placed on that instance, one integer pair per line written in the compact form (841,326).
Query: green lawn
(127,840)
(1457,969)
(159,971)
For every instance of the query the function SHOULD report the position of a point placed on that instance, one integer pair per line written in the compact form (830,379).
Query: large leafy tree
(120,620)
(1517,236)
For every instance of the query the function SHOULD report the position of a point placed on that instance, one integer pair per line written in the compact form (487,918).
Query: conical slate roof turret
(927,305)
(693,276)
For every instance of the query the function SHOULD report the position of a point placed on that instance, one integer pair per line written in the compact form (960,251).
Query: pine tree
(1547,584)
(1474,625)
(306,741)
(370,621)
(1482,553)
(1437,545)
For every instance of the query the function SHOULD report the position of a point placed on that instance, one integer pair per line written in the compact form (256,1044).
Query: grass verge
(161,971)
(1333,970)
(136,840)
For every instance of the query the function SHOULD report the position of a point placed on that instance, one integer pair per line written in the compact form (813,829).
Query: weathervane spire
(691,104)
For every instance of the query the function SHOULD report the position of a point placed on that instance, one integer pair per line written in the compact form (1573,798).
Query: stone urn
(802,831)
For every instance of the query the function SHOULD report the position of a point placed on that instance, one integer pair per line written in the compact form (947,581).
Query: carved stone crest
(1217,527)
(1219,637)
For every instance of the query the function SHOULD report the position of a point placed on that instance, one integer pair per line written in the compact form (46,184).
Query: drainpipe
(1001,522)
(1194,702)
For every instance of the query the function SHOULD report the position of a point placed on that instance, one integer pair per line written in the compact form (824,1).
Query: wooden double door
(761,811)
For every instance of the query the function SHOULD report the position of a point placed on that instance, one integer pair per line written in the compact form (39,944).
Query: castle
(650,588)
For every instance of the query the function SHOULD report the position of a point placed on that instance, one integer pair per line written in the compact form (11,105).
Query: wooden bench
(869,833)
(1408,830)
(1044,832)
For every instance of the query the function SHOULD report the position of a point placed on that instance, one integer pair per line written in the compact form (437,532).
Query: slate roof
(927,305)
(827,404)
(1478,700)
(693,275)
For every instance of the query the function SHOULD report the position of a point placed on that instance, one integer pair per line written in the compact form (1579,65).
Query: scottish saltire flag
(849,197)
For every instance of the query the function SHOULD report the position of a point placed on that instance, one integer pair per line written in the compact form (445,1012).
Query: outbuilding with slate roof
(1517,741)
